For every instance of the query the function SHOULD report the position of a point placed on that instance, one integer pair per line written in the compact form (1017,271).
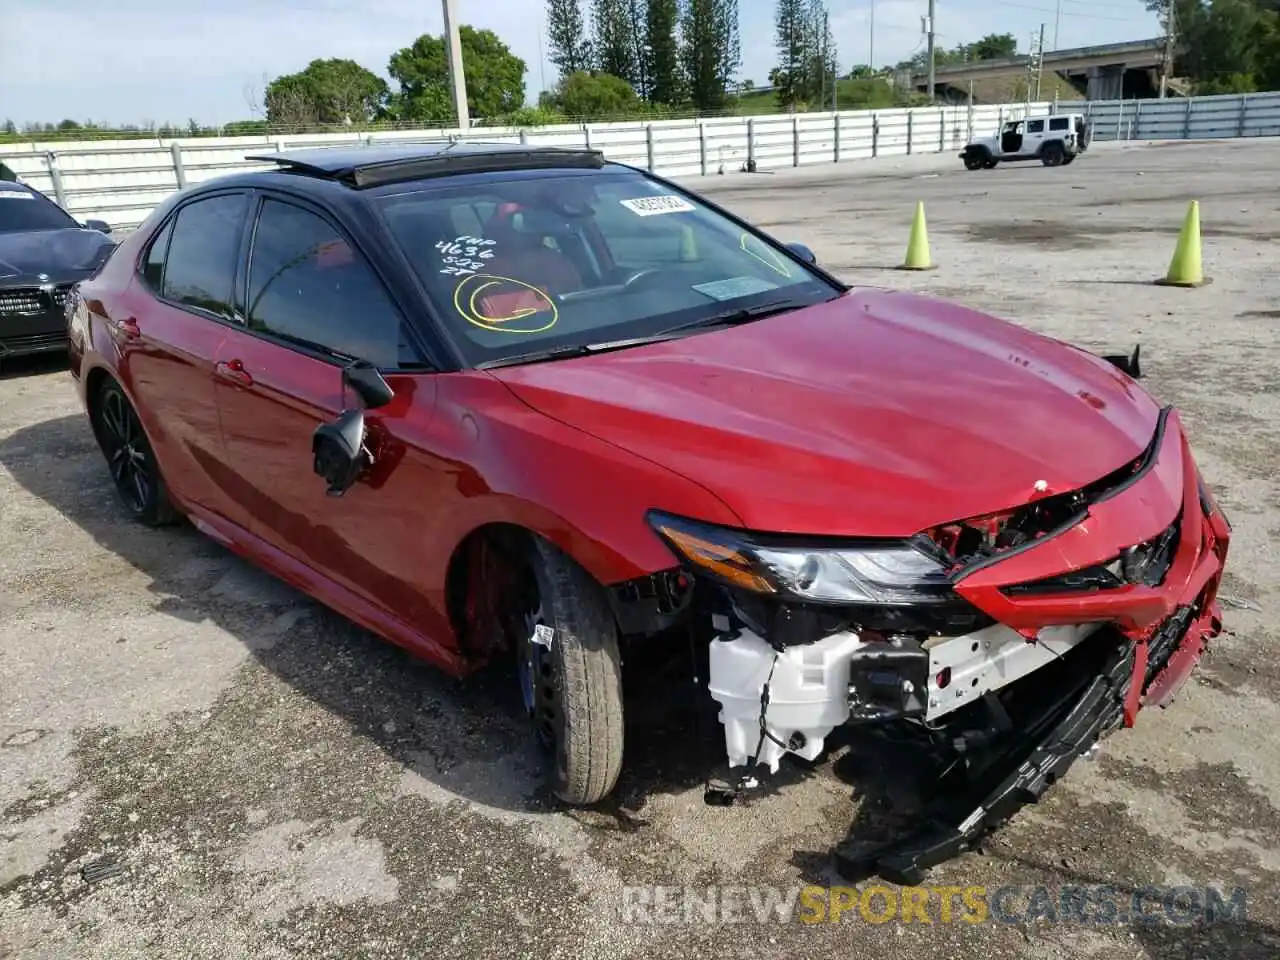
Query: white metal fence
(121,181)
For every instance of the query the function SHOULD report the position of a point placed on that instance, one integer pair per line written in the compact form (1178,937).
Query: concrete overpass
(1110,71)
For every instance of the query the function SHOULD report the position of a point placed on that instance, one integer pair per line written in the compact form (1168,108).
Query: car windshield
(538,262)
(24,209)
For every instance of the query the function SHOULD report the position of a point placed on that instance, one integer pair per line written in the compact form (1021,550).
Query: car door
(1034,137)
(311,302)
(1011,138)
(170,323)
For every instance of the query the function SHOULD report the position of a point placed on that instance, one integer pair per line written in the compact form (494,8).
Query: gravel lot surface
(276,783)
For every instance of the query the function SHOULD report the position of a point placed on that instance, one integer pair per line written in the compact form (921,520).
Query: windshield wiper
(573,350)
(731,318)
(727,318)
(535,356)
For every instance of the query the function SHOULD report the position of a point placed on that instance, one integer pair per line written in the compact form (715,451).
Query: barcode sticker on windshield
(652,206)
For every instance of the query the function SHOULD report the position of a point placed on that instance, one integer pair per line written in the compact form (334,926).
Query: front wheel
(973,161)
(990,164)
(571,676)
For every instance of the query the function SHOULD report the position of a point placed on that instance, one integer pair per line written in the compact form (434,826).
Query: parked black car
(44,251)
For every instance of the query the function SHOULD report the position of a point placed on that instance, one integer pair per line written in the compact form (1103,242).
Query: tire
(131,461)
(990,164)
(1052,154)
(1069,158)
(573,690)
(974,161)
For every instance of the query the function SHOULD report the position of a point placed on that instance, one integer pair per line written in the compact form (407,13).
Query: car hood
(875,414)
(62,255)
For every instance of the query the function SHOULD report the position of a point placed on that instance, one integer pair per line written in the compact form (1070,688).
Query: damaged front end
(1114,583)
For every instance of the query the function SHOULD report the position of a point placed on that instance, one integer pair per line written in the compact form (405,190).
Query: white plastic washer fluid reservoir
(808,695)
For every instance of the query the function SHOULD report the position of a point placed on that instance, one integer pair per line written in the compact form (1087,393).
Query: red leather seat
(524,257)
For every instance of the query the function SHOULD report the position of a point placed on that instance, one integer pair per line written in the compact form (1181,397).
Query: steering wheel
(638,277)
(633,280)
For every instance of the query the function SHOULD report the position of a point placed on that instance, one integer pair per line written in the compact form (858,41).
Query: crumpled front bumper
(1162,633)
(1167,490)
(1106,654)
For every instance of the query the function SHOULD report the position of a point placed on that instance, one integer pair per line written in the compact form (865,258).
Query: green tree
(587,96)
(662,53)
(788,78)
(994,46)
(567,36)
(820,54)
(1269,51)
(290,101)
(494,77)
(806,53)
(612,40)
(326,92)
(638,31)
(1228,46)
(711,52)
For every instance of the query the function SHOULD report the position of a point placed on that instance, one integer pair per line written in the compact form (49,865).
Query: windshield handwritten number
(465,255)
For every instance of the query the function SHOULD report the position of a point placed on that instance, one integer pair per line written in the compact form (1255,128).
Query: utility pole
(542,62)
(1034,64)
(454,44)
(932,76)
(871,50)
(1166,67)
(827,65)
(966,63)
(1039,62)
(822,64)
(1057,19)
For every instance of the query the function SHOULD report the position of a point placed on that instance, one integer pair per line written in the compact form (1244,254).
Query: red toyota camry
(499,402)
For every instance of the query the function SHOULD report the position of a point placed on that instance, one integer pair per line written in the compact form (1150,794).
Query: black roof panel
(390,162)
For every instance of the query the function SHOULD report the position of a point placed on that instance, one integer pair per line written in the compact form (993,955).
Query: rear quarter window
(1060,123)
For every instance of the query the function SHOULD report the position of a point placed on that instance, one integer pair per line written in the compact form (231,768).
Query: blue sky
(171,60)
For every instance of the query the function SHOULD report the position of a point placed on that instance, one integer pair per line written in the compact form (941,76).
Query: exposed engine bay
(814,688)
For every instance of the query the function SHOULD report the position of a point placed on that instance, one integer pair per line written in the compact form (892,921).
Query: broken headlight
(876,573)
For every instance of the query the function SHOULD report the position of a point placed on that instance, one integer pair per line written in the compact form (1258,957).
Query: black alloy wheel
(130,459)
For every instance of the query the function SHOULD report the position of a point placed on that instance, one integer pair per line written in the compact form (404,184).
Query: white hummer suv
(1053,140)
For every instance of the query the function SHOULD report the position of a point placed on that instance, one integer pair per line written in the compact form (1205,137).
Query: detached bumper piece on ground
(968,803)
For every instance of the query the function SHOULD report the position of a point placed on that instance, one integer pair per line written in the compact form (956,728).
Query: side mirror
(339,449)
(803,252)
(367,383)
(340,453)
(1129,364)
(100,225)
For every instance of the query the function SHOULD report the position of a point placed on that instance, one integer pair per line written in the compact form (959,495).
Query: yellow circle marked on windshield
(470,289)
(774,262)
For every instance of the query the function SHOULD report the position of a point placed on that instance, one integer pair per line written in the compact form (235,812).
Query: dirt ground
(276,783)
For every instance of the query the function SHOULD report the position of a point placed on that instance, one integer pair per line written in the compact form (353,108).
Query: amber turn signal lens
(719,559)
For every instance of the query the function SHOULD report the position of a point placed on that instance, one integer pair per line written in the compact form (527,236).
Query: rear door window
(200,266)
(1035,126)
